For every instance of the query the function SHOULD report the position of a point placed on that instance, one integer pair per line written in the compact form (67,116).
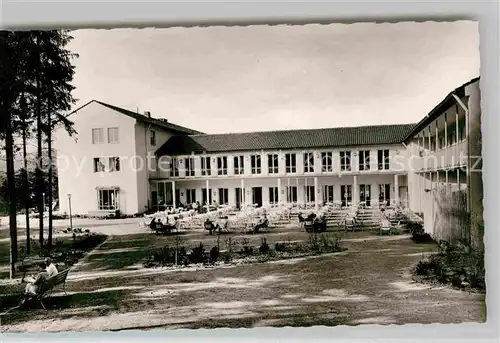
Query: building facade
(104,167)
(129,162)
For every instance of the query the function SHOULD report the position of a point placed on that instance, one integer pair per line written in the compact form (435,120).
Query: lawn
(368,283)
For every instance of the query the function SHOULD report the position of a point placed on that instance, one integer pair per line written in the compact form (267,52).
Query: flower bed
(241,252)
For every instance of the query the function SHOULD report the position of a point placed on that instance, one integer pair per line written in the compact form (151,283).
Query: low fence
(450,218)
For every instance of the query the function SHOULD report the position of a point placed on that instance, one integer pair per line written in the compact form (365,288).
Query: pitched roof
(446,103)
(291,139)
(142,118)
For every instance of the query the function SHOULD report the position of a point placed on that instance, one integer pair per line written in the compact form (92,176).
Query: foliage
(418,234)
(456,264)
(264,247)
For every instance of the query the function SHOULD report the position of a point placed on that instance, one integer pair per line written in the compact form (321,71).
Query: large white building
(130,162)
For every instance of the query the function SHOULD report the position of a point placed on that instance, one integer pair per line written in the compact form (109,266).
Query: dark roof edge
(139,117)
(436,111)
(277,149)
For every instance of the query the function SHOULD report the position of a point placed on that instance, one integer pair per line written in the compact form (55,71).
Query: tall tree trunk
(11,187)
(26,181)
(38,171)
(49,147)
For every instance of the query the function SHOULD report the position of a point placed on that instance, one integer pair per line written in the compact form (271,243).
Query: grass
(369,269)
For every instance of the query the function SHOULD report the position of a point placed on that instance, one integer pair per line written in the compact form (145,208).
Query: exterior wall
(282,183)
(147,168)
(397,155)
(76,166)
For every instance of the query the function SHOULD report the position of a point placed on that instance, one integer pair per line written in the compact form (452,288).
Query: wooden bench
(45,289)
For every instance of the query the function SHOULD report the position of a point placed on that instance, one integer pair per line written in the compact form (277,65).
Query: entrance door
(403,195)
(365,194)
(384,194)
(238,199)
(257,196)
(346,194)
(154,200)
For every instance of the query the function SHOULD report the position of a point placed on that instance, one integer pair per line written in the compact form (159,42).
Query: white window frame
(174,167)
(152,137)
(98,135)
(273,163)
(345,160)
(221,165)
(113,196)
(239,165)
(189,165)
(113,135)
(206,166)
(327,161)
(384,164)
(99,162)
(308,162)
(364,160)
(114,164)
(291,163)
(256,164)
(223,196)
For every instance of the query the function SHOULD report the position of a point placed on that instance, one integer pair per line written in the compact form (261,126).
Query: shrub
(455,264)
(264,247)
(197,254)
(214,254)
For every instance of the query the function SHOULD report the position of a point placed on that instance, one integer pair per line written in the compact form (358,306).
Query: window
(273,163)
(222,165)
(441,142)
(256,164)
(291,163)
(291,194)
(327,161)
(113,136)
(189,161)
(451,137)
(152,137)
(204,196)
(345,161)
(273,195)
(97,136)
(223,196)
(310,196)
(364,160)
(383,159)
(174,167)
(190,196)
(328,193)
(239,166)
(98,165)
(205,166)
(107,199)
(114,164)
(308,162)
(461,131)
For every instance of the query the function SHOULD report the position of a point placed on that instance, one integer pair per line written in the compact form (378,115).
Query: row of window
(364,161)
(291,194)
(113,134)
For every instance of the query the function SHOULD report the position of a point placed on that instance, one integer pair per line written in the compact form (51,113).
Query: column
(279,200)
(429,147)
(305,191)
(436,142)
(242,193)
(208,194)
(446,141)
(446,178)
(316,192)
(457,146)
(355,198)
(396,189)
(458,178)
(174,200)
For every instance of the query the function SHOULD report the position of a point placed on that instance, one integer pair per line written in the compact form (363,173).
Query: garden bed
(457,265)
(238,252)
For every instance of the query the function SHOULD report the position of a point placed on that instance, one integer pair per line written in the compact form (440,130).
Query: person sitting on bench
(34,283)
(51,268)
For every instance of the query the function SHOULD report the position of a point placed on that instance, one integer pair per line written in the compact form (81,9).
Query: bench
(45,289)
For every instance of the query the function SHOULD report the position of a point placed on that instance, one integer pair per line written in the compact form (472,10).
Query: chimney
(147,114)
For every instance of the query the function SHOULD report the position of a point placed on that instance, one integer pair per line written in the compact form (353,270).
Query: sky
(260,78)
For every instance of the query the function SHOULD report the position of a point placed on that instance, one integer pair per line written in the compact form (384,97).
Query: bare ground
(367,284)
